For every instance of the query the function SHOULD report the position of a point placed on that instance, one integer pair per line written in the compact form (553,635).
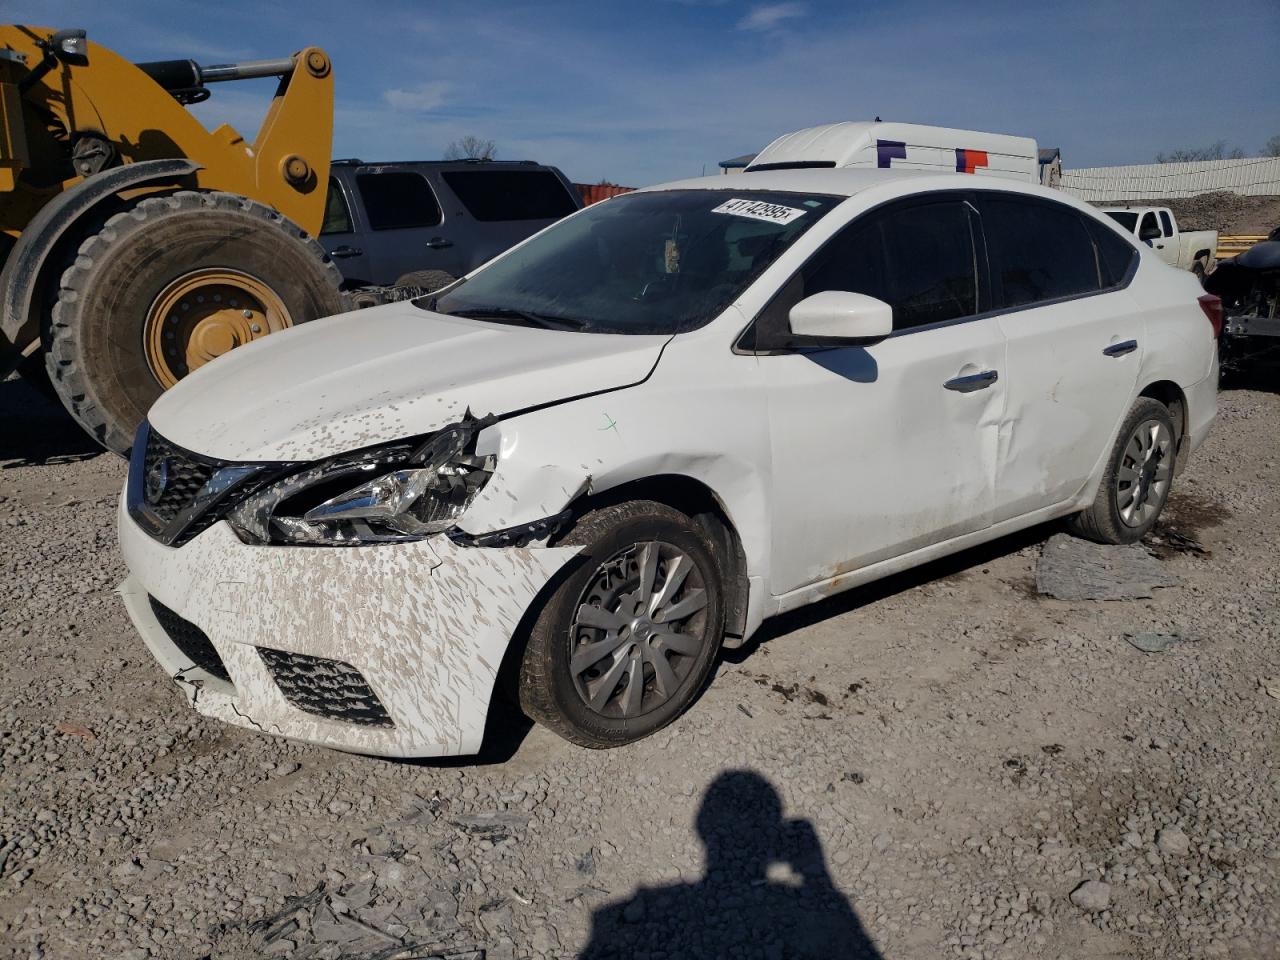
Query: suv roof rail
(356,162)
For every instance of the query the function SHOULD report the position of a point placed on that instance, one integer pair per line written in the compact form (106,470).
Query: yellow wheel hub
(204,314)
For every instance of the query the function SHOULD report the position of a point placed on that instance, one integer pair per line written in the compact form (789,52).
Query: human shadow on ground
(766,891)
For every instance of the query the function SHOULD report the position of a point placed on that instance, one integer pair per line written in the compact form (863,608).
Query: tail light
(1212,307)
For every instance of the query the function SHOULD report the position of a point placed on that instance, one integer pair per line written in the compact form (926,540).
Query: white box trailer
(910,146)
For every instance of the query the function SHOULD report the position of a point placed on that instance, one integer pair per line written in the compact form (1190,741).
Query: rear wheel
(1137,480)
(168,285)
(627,640)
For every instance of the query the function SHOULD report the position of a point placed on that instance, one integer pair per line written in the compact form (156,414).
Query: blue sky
(643,92)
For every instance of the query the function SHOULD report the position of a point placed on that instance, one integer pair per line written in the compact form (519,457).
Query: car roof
(839,181)
(851,181)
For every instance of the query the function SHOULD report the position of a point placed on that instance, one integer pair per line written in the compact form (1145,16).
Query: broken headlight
(389,494)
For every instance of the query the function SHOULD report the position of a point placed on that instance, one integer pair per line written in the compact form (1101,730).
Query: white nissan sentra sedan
(639,434)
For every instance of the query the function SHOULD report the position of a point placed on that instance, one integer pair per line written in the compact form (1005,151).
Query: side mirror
(1148,234)
(837,318)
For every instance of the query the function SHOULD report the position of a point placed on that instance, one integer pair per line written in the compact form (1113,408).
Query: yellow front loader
(137,245)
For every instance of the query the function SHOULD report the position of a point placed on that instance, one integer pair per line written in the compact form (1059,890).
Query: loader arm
(137,245)
(101,95)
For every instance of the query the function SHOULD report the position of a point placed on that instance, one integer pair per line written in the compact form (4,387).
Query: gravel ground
(947,764)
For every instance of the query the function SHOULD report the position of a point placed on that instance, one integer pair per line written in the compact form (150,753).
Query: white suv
(640,433)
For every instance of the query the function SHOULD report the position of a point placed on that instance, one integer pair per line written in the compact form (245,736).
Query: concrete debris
(75,730)
(1154,642)
(492,822)
(1173,841)
(1075,569)
(1092,896)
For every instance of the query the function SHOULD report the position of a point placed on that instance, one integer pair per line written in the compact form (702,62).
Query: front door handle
(1159,246)
(1121,348)
(439,243)
(345,251)
(972,382)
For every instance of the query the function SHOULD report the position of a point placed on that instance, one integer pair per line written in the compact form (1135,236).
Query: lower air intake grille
(326,688)
(190,639)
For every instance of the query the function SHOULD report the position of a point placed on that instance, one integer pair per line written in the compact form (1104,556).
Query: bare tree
(471,147)
(1215,151)
(1272,147)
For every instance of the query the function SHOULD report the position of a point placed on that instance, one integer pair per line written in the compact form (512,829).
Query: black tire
(428,281)
(548,691)
(96,357)
(1103,521)
(363,298)
(1198,270)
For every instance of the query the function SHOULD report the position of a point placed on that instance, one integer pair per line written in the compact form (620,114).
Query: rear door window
(398,200)
(1125,218)
(1166,222)
(1039,250)
(491,195)
(337,215)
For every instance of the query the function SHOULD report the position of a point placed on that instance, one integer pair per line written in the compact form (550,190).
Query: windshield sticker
(759,210)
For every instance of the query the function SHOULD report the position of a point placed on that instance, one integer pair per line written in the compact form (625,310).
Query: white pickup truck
(1155,226)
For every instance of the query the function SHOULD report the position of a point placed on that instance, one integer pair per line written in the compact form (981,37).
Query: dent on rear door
(1066,396)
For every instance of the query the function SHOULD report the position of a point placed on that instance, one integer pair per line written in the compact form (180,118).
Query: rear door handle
(1121,348)
(439,243)
(345,251)
(972,382)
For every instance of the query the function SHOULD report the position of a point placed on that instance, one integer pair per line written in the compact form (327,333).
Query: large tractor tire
(168,285)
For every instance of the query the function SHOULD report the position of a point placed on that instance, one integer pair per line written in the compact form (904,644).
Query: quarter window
(1166,222)
(398,200)
(1039,251)
(1115,253)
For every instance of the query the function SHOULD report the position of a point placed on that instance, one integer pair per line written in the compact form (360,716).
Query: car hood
(383,374)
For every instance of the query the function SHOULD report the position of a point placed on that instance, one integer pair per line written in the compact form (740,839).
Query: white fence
(1252,176)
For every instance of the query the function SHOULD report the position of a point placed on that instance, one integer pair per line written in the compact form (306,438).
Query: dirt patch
(1181,527)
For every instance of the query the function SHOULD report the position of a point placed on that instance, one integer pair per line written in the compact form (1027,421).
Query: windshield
(1125,218)
(655,263)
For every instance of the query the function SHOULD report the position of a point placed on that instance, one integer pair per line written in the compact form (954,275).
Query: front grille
(185,476)
(190,639)
(326,688)
(175,495)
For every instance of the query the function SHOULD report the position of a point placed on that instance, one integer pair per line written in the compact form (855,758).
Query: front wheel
(1137,480)
(167,285)
(627,640)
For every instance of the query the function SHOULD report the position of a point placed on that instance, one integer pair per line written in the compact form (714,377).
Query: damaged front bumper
(387,649)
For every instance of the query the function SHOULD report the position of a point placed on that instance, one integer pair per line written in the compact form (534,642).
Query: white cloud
(768,17)
(424,97)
